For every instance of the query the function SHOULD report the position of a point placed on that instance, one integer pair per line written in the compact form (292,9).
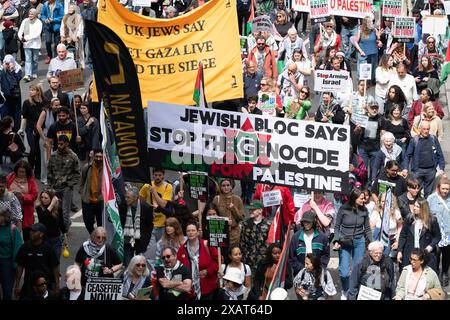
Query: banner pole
(76,119)
(219,261)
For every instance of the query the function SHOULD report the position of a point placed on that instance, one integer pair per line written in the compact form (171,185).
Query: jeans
(44,161)
(7,276)
(92,212)
(371,59)
(304,17)
(31,61)
(356,252)
(426,179)
(51,37)
(157,233)
(66,196)
(368,157)
(347,46)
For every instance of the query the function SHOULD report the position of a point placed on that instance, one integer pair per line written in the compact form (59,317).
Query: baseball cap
(257,204)
(308,216)
(38,227)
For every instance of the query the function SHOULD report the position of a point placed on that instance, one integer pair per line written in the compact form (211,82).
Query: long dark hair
(355,194)
(268,258)
(399,95)
(317,271)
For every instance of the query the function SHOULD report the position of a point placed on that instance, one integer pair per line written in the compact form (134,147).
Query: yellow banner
(166,52)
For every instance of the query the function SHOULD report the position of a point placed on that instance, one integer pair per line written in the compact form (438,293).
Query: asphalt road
(78,233)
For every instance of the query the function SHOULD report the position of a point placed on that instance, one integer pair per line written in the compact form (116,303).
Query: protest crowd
(390,232)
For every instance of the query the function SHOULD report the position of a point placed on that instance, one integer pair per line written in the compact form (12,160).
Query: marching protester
(137,276)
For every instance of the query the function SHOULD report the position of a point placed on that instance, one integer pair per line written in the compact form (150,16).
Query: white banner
(104,289)
(264,149)
(434,25)
(330,80)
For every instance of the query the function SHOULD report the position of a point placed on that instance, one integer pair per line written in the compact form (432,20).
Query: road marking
(77,215)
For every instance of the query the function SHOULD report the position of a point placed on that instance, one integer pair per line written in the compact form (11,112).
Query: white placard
(365,71)
(142,3)
(366,293)
(271,198)
(434,25)
(103,289)
(300,199)
(262,24)
(359,119)
(330,80)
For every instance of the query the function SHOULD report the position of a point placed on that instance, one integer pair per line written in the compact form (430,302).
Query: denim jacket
(440,212)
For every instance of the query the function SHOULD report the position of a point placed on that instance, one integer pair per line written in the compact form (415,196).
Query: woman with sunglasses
(49,212)
(429,48)
(135,277)
(282,23)
(418,281)
(327,38)
(299,107)
(426,95)
(420,230)
(97,259)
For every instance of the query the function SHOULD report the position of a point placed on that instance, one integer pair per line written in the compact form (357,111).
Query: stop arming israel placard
(330,80)
(103,289)
(249,147)
(391,9)
(404,28)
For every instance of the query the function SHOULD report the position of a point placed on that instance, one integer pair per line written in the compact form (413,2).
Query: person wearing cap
(36,255)
(308,240)
(279,294)
(368,138)
(254,232)
(233,288)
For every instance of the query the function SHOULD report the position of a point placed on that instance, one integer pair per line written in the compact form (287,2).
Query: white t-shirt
(308,241)
(375,219)
(418,226)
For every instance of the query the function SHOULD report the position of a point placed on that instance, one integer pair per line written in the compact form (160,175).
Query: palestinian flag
(251,17)
(445,70)
(279,276)
(199,90)
(111,217)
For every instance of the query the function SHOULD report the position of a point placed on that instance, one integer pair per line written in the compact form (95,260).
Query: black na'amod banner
(118,85)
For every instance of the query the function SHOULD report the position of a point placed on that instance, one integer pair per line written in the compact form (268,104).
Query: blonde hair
(424,214)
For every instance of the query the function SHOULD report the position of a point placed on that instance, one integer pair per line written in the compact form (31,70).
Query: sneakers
(34,76)
(47,60)
(27,79)
(343,295)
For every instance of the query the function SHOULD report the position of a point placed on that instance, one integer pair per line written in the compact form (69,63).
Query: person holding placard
(375,271)
(367,43)
(201,260)
(383,74)
(230,206)
(418,281)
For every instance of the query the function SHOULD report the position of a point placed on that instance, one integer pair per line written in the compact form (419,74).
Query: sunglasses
(329,27)
(305,92)
(263,84)
(140,265)
(41,284)
(261,44)
(166,257)
(430,41)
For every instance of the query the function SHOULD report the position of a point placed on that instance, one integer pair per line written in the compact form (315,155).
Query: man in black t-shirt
(174,278)
(36,255)
(64,126)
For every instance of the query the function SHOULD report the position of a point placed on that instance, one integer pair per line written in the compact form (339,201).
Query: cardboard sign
(330,80)
(103,289)
(71,79)
(392,9)
(301,198)
(198,185)
(267,103)
(262,24)
(359,119)
(271,198)
(365,71)
(142,3)
(404,28)
(366,293)
(319,10)
(219,230)
(434,25)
